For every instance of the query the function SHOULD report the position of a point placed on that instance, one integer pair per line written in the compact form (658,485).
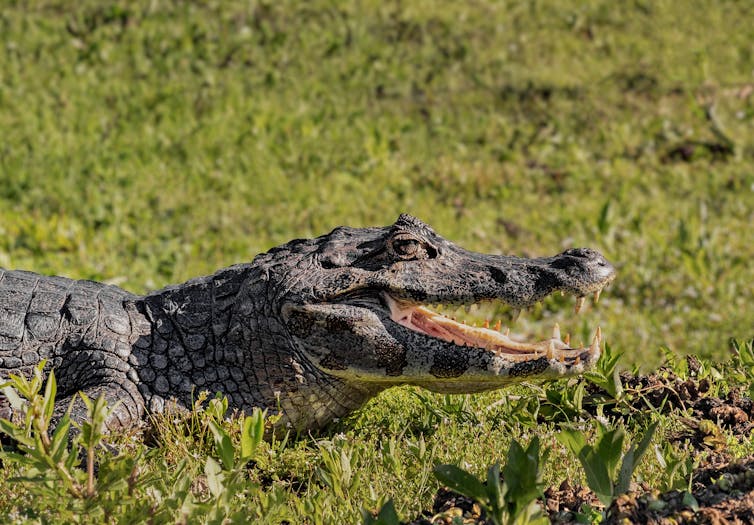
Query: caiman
(310,330)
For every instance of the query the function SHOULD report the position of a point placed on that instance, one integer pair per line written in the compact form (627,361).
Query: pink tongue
(435,330)
(417,321)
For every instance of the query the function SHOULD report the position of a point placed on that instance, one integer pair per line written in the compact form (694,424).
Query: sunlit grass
(144,143)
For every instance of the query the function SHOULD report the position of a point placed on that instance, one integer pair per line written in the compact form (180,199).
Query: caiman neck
(219,334)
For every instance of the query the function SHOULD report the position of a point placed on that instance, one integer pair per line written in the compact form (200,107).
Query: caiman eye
(410,248)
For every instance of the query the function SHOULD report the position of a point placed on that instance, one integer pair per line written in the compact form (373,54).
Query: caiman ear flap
(340,250)
(334,258)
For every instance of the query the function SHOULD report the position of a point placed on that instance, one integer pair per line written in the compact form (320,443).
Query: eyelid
(406,242)
(419,248)
(404,237)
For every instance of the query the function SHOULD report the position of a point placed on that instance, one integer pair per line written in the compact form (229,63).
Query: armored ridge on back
(313,328)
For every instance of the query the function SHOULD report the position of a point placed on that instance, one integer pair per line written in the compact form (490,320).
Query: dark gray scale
(305,329)
(15,297)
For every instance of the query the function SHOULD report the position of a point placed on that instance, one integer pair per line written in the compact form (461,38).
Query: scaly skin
(312,328)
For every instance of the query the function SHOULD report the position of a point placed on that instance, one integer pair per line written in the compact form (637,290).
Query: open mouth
(491,338)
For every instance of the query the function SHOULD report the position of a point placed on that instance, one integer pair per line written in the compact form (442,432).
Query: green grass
(144,143)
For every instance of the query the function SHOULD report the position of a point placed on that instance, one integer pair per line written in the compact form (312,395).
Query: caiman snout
(582,271)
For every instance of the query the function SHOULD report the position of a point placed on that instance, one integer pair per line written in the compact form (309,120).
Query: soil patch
(722,493)
(666,392)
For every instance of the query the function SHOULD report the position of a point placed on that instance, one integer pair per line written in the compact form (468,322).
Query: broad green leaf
(15,432)
(92,429)
(223,445)
(217,407)
(626,471)
(461,481)
(597,475)
(16,401)
(573,440)
(252,433)
(215,477)
(631,460)
(690,501)
(609,447)
(495,490)
(522,475)
(59,441)
(386,515)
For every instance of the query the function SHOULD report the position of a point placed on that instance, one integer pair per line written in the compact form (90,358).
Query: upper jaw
(578,272)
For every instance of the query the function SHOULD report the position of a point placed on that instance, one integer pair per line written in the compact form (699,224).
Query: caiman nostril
(585,253)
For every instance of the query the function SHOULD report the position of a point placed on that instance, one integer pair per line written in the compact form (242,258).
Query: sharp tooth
(551,350)
(486,323)
(515,314)
(597,296)
(556,331)
(567,339)
(577,360)
(498,325)
(507,331)
(597,339)
(562,358)
(579,304)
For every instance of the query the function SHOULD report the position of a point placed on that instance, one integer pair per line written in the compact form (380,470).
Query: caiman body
(311,329)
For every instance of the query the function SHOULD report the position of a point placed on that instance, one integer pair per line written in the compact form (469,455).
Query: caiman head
(359,304)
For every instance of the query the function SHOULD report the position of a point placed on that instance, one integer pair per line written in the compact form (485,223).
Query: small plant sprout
(112,488)
(606,374)
(608,470)
(52,458)
(385,516)
(512,500)
(252,433)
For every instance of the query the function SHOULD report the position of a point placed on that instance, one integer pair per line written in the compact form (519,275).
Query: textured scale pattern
(302,330)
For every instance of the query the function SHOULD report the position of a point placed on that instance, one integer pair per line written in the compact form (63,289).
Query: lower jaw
(423,320)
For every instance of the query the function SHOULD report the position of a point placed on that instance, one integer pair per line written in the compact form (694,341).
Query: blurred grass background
(147,142)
